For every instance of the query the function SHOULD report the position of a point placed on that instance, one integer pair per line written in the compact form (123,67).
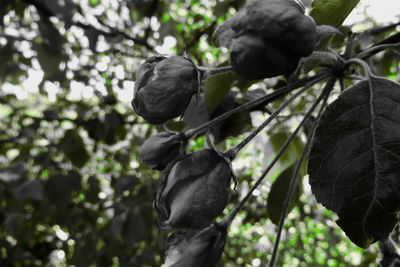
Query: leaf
(95,129)
(134,228)
(73,147)
(332,12)
(292,153)
(355,160)
(6,54)
(59,188)
(215,88)
(277,194)
(126,182)
(196,113)
(93,190)
(32,189)
(50,35)
(49,59)
(233,126)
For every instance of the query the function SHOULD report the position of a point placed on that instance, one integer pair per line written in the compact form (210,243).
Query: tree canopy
(73,191)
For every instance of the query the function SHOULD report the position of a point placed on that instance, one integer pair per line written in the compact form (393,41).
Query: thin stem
(363,64)
(232,153)
(207,72)
(264,100)
(228,220)
(325,94)
(375,49)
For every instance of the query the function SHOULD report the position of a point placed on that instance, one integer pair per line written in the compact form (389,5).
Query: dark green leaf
(126,182)
(277,194)
(93,190)
(73,147)
(355,159)
(59,188)
(50,35)
(332,12)
(292,153)
(32,189)
(49,60)
(6,53)
(215,88)
(196,113)
(133,228)
(95,129)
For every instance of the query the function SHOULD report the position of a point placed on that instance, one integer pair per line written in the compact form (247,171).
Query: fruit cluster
(266,38)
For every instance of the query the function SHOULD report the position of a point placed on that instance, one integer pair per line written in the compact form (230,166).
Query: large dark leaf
(355,160)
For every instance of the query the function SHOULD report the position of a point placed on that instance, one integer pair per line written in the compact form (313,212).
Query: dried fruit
(164,87)
(197,248)
(161,149)
(268,37)
(193,191)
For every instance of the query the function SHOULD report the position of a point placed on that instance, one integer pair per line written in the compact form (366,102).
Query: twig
(228,220)
(325,94)
(231,153)
(376,49)
(264,100)
(113,32)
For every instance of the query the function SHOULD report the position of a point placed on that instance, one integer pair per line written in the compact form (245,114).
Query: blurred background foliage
(72,191)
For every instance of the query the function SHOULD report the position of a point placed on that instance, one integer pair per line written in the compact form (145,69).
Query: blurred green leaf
(74,148)
(292,153)
(332,12)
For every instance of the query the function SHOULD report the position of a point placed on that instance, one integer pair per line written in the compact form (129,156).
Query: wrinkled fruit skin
(193,191)
(267,38)
(161,149)
(163,88)
(197,248)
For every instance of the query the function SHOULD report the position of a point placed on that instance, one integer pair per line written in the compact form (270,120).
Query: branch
(393,40)
(113,32)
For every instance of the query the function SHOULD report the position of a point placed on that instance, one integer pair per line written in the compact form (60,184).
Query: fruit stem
(232,153)
(264,100)
(228,220)
(293,181)
(207,72)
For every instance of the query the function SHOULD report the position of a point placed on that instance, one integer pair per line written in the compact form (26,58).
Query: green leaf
(49,59)
(215,88)
(59,188)
(6,53)
(292,153)
(233,126)
(73,147)
(277,194)
(332,12)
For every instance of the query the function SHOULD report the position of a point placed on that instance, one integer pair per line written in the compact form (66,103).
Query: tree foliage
(74,192)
